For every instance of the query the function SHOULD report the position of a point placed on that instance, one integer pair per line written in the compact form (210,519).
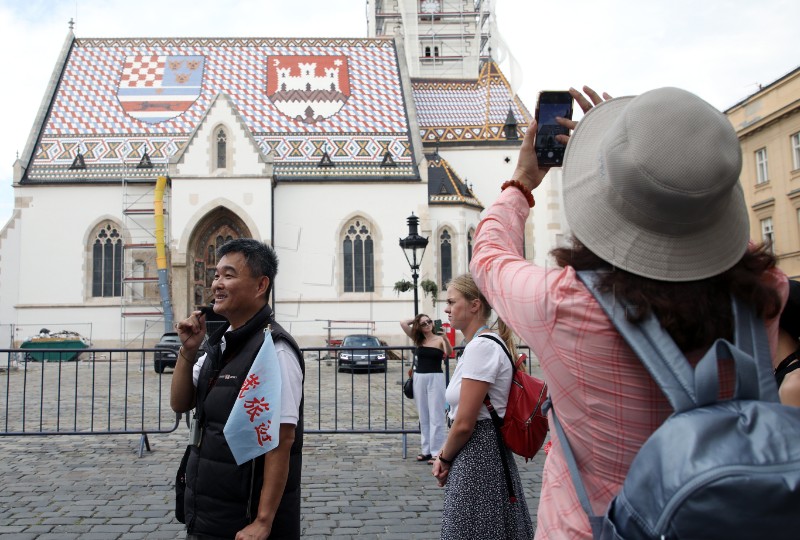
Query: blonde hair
(467,287)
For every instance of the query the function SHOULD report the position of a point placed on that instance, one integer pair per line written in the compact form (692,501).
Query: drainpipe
(161,253)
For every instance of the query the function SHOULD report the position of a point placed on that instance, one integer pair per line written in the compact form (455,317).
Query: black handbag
(180,486)
(408,388)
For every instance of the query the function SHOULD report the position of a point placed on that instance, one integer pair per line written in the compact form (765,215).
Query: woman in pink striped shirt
(653,200)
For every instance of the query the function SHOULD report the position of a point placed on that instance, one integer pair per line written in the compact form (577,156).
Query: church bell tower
(444,39)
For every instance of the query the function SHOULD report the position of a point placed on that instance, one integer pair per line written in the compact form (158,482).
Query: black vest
(222,497)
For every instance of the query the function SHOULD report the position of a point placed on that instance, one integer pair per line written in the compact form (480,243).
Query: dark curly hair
(695,313)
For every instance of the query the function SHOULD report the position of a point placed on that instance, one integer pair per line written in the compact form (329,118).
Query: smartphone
(437,326)
(550,152)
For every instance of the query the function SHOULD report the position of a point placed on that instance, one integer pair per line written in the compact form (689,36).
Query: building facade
(147,154)
(768,126)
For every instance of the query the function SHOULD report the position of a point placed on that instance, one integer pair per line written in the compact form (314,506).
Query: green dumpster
(59,355)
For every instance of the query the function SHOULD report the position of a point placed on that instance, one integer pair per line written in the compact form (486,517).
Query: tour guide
(260,498)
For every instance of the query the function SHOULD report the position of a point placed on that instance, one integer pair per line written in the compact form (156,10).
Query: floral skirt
(476,503)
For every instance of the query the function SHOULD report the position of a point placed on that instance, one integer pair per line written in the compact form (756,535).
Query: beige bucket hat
(651,185)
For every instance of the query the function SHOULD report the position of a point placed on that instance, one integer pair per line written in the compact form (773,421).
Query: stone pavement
(95,487)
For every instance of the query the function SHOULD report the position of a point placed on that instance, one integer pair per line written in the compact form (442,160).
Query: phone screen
(549,151)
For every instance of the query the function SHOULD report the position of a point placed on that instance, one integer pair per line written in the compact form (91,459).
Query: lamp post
(410,245)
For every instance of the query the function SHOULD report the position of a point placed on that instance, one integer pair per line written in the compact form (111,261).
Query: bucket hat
(651,185)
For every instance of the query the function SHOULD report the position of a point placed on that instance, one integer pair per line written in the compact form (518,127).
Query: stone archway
(218,227)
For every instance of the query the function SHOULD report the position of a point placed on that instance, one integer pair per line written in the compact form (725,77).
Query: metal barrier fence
(87,392)
(117,391)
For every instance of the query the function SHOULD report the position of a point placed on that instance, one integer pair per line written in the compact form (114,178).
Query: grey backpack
(714,469)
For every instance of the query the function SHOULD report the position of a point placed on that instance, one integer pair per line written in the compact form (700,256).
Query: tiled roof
(445,186)
(468,111)
(298,97)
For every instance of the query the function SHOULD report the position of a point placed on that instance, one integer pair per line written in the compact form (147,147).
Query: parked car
(361,351)
(167,356)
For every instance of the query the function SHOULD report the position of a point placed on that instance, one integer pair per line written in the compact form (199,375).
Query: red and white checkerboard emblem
(308,89)
(155,88)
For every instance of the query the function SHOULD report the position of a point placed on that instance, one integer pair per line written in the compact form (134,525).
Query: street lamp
(410,245)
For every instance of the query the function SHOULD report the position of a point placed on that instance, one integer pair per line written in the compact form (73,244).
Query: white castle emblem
(308,88)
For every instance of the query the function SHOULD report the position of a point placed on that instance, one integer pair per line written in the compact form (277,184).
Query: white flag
(254,424)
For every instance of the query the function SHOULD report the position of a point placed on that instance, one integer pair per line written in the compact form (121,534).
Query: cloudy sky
(720,49)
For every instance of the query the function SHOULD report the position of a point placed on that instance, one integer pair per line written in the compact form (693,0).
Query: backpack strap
(498,423)
(685,387)
(595,521)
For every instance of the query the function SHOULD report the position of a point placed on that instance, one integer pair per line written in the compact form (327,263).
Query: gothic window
(358,257)
(446,256)
(470,234)
(222,149)
(107,261)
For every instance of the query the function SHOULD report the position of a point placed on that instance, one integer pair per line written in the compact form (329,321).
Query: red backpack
(524,427)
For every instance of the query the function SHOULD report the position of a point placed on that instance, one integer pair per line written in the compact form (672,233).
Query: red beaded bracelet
(517,184)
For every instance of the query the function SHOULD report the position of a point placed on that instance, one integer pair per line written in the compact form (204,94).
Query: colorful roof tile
(118,98)
(452,112)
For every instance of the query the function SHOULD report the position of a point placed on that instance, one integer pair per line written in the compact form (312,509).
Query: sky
(721,50)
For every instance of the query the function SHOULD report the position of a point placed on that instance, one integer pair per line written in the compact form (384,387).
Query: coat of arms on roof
(155,88)
(308,89)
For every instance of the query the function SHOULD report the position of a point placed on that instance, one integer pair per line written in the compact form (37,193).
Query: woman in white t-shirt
(476,501)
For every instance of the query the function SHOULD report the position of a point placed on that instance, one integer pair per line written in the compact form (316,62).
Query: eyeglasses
(425,323)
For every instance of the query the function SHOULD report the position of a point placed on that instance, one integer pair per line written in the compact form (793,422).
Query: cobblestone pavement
(354,485)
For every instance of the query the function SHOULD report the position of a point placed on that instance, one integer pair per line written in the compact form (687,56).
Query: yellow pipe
(161,252)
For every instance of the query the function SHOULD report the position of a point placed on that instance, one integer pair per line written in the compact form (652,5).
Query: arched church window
(470,235)
(446,257)
(358,256)
(106,261)
(222,149)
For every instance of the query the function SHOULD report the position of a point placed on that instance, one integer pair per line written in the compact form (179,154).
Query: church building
(148,153)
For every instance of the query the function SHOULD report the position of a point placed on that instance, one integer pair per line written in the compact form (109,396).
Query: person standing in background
(429,383)
(477,499)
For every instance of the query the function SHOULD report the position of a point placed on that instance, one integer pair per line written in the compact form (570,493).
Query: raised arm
(191,332)
(407,325)
(447,347)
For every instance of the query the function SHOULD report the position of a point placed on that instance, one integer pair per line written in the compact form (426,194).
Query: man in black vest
(261,498)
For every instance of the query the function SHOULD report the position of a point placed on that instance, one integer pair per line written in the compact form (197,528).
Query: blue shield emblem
(155,88)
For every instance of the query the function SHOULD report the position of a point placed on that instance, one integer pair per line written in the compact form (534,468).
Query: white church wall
(194,198)
(60,219)
(10,263)
(51,276)
(487,169)
(457,220)
(309,220)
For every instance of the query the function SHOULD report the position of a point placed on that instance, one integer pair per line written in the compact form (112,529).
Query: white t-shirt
(482,360)
(291,380)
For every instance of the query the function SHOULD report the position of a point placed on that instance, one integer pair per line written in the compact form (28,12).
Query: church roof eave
(445,187)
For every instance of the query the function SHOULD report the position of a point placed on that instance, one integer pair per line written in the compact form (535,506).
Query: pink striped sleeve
(514,287)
